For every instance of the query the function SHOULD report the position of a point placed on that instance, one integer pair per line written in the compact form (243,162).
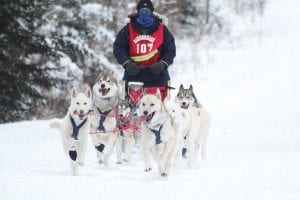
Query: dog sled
(132,93)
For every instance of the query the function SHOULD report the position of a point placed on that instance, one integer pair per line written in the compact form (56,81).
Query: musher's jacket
(145,47)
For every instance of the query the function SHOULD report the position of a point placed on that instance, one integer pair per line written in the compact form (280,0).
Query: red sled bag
(135,91)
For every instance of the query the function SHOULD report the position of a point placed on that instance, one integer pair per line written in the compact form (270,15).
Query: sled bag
(135,95)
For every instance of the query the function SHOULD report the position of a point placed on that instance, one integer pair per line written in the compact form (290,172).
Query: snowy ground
(253,94)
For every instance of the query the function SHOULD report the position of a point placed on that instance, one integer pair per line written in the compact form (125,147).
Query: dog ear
(181,87)
(145,91)
(88,92)
(74,93)
(158,93)
(167,98)
(191,88)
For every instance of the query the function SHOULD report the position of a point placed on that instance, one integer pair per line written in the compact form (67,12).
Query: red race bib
(144,49)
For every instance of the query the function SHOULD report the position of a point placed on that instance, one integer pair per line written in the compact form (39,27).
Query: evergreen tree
(83,32)
(24,58)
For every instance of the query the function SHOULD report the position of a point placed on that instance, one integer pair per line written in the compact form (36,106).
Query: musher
(145,48)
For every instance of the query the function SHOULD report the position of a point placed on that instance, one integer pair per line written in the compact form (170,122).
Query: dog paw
(74,170)
(119,162)
(148,169)
(164,174)
(75,173)
(73,155)
(126,160)
(100,162)
(81,164)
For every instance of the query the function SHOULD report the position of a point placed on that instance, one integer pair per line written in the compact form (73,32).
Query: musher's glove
(157,67)
(132,68)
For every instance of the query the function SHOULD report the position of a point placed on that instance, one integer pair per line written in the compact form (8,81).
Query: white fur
(79,102)
(164,152)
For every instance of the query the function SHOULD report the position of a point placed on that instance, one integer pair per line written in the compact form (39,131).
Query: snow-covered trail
(33,166)
(253,94)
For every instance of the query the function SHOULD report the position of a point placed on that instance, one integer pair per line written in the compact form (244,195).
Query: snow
(252,92)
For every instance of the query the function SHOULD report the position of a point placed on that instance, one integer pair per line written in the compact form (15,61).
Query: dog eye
(143,104)
(152,104)
(108,81)
(84,103)
(77,103)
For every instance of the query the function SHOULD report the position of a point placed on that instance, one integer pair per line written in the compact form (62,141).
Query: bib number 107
(144,48)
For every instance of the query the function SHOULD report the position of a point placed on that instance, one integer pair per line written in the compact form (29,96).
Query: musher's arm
(168,51)
(121,46)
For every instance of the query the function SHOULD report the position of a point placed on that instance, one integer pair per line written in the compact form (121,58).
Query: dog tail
(55,123)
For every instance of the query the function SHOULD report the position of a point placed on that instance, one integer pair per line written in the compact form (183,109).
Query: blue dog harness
(155,131)
(76,128)
(157,135)
(102,119)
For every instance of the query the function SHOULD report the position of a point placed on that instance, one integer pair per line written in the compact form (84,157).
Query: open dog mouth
(149,117)
(185,106)
(81,115)
(104,91)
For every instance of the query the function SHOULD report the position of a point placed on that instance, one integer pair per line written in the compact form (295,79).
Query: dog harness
(102,119)
(76,128)
(157,135)
(123,123)
(155,129)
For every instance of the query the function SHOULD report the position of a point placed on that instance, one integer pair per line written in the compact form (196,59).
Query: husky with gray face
(104,130)
(75,128)
(159,137)
(187,98)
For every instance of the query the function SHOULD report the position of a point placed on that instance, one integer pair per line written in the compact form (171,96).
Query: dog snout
(81,111)
(183,103)
(145,112)
(102,86)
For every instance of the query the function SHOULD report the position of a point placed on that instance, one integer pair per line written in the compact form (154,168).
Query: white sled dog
(190,109)
(104,131)
(158,135)
(75,128)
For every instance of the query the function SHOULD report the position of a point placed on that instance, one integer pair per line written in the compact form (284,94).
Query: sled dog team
(165,130)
